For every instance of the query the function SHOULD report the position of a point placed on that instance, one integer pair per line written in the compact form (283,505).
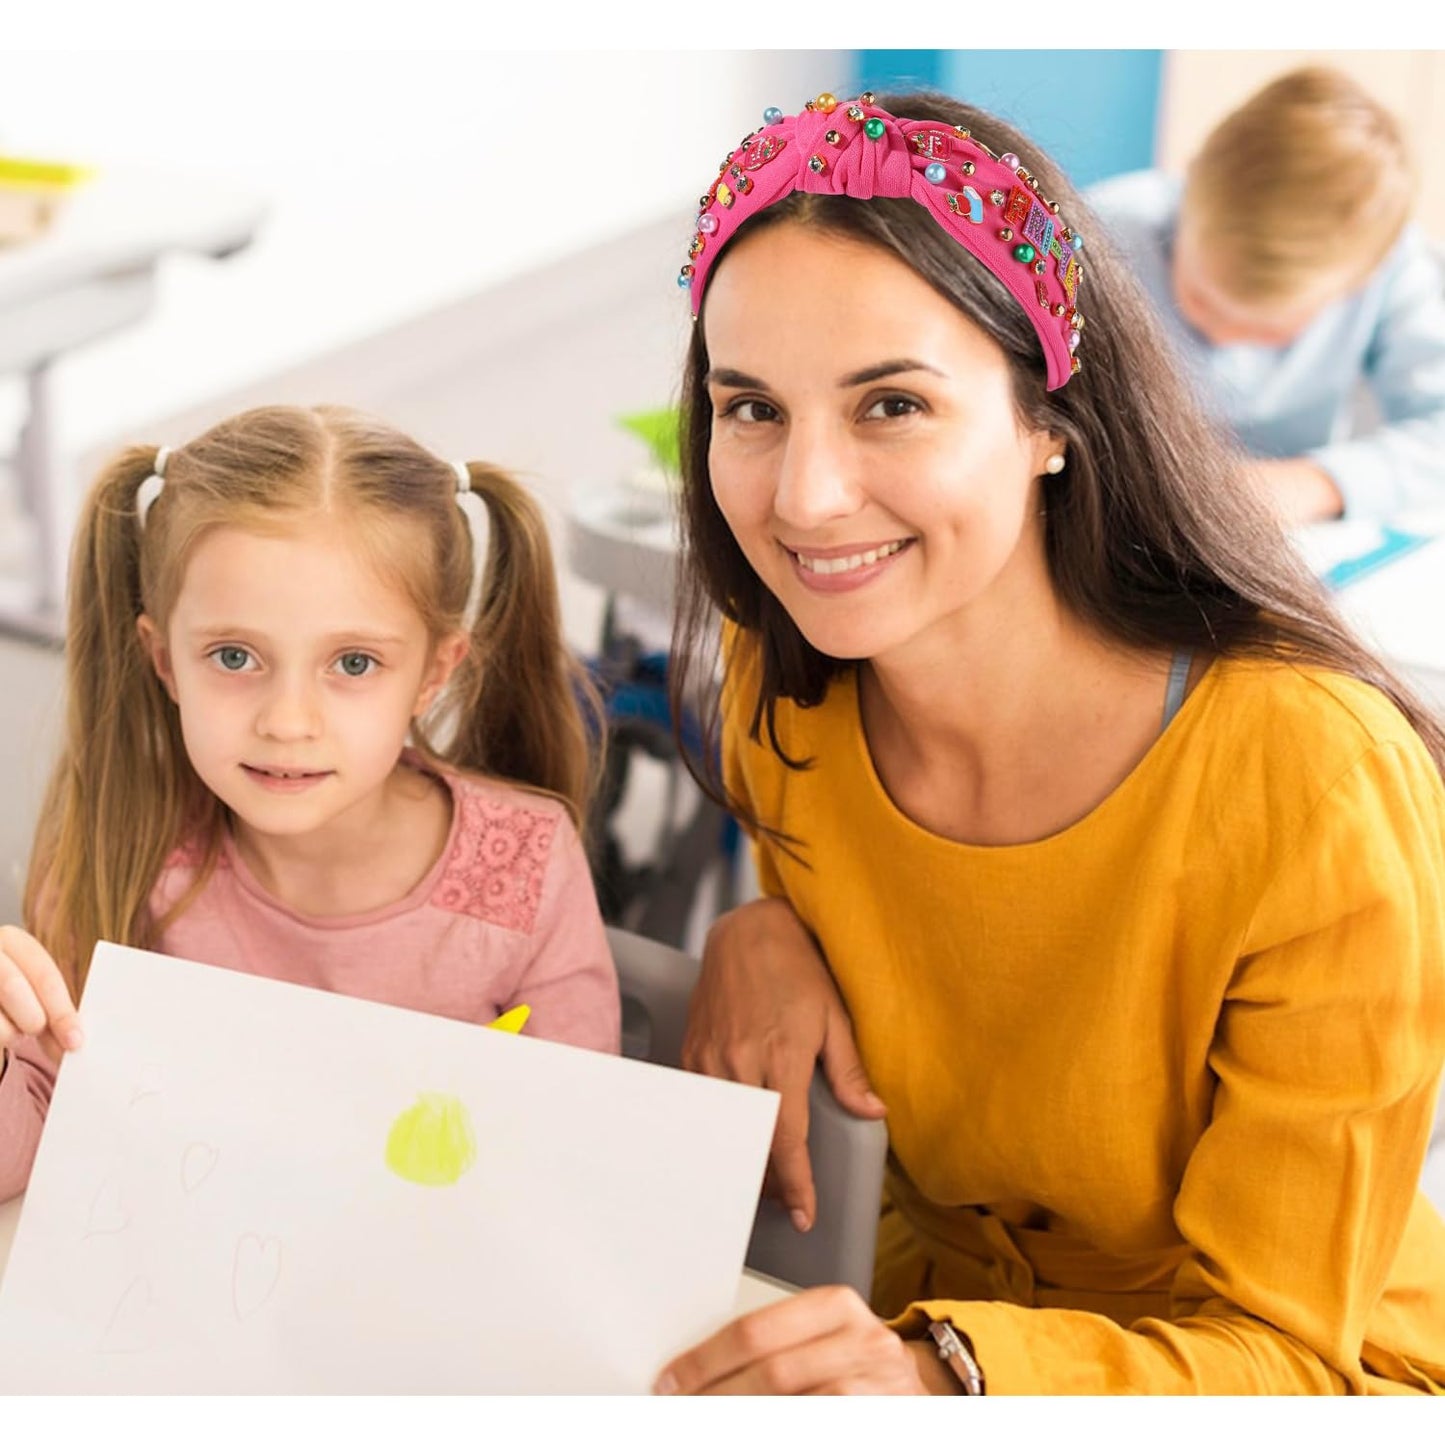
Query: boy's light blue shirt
(1303,399)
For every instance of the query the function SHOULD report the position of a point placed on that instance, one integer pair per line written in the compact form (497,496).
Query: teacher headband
(988,203)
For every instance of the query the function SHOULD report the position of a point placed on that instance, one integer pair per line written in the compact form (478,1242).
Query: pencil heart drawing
(256,1274)
(135,1321)
(108,1214)
(196,1165)
(148,1086)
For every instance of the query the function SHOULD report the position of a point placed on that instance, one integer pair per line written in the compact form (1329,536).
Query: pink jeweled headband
(988,203)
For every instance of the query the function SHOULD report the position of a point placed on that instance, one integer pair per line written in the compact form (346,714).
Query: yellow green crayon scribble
(432,1142)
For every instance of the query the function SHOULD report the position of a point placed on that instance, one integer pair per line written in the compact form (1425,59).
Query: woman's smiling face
(866,451)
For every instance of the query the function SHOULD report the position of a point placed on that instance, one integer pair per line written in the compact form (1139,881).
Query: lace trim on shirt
(498,863)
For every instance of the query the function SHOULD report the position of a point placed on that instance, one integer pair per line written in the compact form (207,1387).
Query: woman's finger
(789,1162)
(756,1336)
(843,1068)
(845,1361)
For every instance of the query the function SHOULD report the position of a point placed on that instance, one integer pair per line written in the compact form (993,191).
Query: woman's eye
(890,406)
(749,409)
(233,659)
(356,664)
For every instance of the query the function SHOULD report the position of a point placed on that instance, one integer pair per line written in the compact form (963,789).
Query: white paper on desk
(1325,544)
(211,1209)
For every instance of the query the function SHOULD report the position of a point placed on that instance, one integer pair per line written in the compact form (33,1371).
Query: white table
(93,272)
(1401,610)
(1398,607)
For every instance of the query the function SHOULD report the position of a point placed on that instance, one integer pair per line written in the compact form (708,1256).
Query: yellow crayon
(511,1022)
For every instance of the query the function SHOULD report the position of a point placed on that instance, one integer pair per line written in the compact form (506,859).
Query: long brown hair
(1152,534)
(124,794)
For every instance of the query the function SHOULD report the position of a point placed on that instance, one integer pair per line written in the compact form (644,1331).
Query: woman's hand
(820,1342)
(764,1011)
(34,999)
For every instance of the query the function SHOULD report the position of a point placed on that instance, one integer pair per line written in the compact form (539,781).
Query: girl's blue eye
(356,664)
(233,659)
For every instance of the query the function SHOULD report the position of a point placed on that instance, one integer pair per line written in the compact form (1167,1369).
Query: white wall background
(396,183)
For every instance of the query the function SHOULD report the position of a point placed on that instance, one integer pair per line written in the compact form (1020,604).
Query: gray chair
(847,1152)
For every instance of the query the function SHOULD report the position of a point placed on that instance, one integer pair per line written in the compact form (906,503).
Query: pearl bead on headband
(988,203)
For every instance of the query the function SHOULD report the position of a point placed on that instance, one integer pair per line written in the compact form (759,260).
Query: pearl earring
(1055,464)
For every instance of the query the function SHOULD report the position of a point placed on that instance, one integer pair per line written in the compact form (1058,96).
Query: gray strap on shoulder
(1178,680)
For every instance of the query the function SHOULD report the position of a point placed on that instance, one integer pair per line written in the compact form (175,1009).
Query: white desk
(1401,610)
(624,539)
(93,272)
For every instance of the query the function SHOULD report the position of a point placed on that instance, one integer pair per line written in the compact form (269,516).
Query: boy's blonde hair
(1309,176)
(124,793)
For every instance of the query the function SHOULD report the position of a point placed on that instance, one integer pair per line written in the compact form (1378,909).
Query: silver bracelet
(958,1356)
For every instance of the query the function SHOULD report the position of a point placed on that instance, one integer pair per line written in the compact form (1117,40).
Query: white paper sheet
(212,1209)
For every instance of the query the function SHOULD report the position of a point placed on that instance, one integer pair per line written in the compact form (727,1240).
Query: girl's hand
(34,999)
(820,1342)
(764,1011)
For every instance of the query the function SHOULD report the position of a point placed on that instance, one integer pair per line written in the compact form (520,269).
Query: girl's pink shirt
(507,915)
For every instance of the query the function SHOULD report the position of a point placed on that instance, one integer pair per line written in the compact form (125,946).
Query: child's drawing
(134,1322)
(257,1273)
(108,1214)
(147,1086)
(432,1142)
(196,1165)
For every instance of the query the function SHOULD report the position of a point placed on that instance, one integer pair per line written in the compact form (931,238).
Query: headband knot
(988,203)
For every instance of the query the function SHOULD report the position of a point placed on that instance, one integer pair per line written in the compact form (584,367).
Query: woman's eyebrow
(726,376)
(886,368)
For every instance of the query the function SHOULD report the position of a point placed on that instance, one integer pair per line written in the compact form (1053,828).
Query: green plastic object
(661,431)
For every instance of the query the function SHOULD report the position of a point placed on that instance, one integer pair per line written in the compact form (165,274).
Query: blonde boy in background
(1289,275)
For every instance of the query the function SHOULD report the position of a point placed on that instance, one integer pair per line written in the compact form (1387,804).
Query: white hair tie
(480,538)
(150,489)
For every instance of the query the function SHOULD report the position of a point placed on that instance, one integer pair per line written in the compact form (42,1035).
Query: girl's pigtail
(525,704)
(123,785)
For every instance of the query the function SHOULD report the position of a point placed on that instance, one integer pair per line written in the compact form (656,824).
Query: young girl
(291,751)
(1076,805)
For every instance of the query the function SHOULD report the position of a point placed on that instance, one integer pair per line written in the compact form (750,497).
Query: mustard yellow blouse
(1160,1085)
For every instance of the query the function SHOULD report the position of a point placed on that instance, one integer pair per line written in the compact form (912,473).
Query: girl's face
(865,449)
(297,671)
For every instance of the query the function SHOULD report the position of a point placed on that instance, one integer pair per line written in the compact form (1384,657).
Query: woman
(1122,855)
